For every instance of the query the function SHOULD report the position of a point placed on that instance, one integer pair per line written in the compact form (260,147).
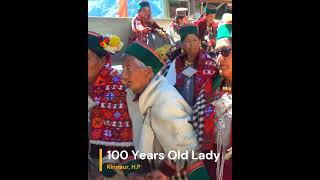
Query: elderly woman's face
(145,13)
(95,64)
(191,44)
(225,57)
(135,75)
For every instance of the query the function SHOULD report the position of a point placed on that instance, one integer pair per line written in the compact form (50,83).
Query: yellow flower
(114,41)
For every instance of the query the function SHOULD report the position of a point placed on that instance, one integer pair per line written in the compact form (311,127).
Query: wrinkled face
(191,44)
(135,74)
(145,13)
(210,18)
(183,21)
(225,57)
(95,63)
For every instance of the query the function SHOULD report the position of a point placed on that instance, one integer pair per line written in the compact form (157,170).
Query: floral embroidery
(116,79)
(110,96)
(117,115)
(107,133)
(110,109)
(97,100)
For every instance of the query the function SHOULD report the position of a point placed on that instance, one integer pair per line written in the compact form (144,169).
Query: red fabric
(139,29)
(212,166)
(110,120)
(108,59)
(206,71)
(231,135)
(202,26)
(168,170)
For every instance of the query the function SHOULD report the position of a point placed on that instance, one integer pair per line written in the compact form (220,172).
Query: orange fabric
(123,8)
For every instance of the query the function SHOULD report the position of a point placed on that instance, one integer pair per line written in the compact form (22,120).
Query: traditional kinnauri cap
(188,29)
(180,12)
(102,44)
(145,54)
(210,9)
(142,4)
(225,27)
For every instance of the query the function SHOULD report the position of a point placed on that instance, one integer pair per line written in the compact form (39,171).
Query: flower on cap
(111,43)
(103,44)
(114,41)
(106,40)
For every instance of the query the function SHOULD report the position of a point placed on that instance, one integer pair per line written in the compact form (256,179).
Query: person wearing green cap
(196,76)
(142,24)
(160,117)
(105,88)
(223,102)
(208,26)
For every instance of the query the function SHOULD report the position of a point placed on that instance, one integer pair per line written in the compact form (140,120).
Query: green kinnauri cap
(210,9)
(94,44)
(188,29)
(145,54)
(225,27)
(142,4)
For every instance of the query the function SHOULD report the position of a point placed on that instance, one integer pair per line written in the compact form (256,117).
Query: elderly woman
(109,123)
(160,118)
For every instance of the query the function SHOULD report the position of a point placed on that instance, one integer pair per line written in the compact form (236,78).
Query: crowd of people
(177,99)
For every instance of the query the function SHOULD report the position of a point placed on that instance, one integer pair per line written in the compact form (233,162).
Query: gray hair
(138,62)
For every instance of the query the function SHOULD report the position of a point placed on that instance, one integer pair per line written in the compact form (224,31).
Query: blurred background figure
(142,24)
(180,19)
(208,26)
